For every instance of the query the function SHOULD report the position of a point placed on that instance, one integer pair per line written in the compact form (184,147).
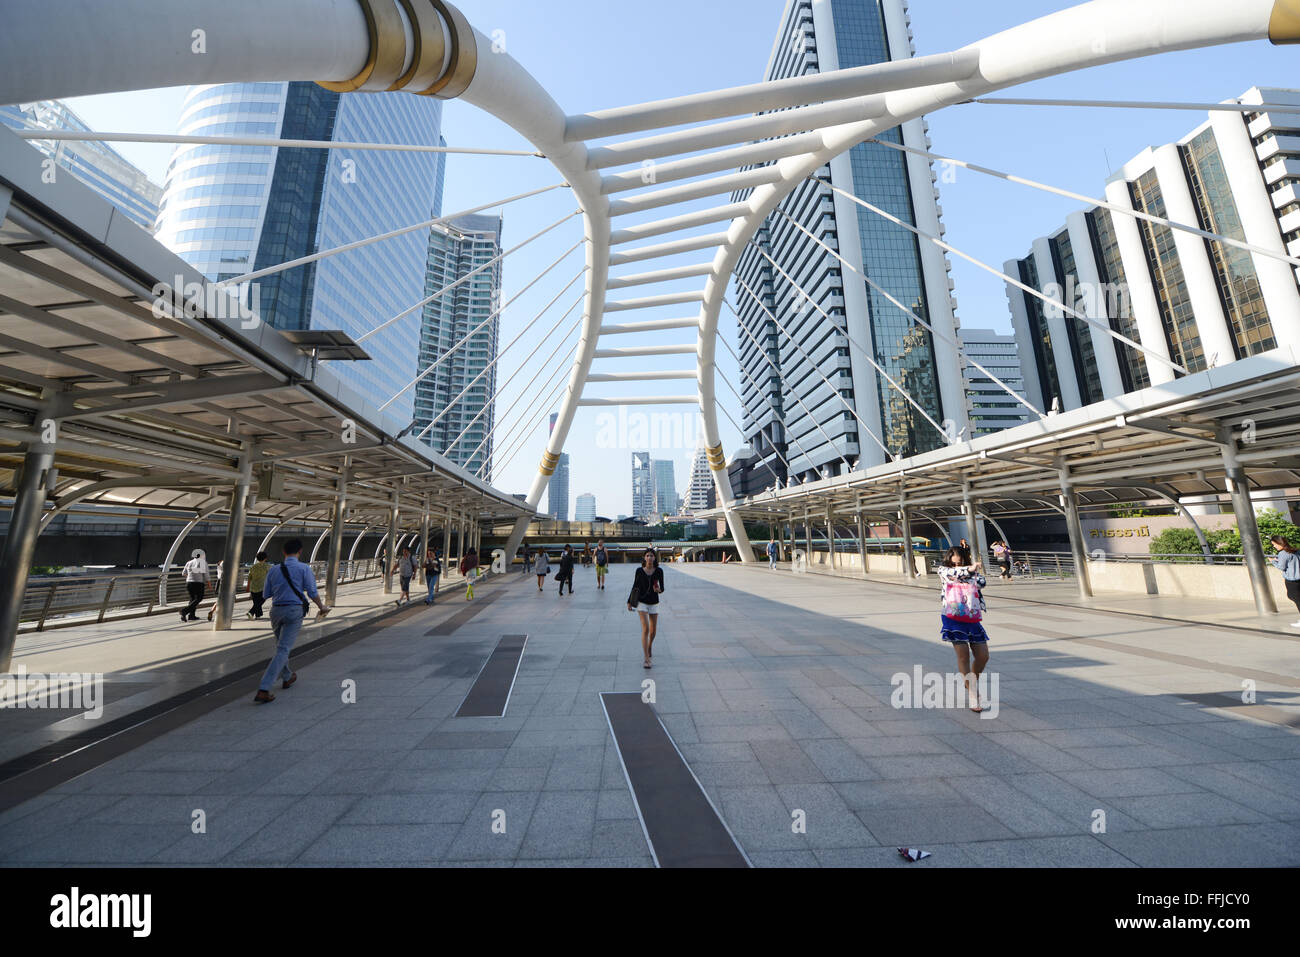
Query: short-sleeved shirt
(277,588)
(195,571)
(257,575)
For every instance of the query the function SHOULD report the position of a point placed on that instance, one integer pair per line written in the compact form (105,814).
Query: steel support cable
(1066,310)
(568,332)
(492,401)
(793,391)
(1105,204)
(35,133)
(479,328)
(866,353)
(501,352)
(468,276)
(522,439)
(767,398)
(779,377)
(519,447)
(727,383)
(952,341)
(1234,107)
(510,433)
(816,368)
(556,376)
(348,247)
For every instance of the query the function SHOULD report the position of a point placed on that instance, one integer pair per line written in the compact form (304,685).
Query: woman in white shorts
(644,599)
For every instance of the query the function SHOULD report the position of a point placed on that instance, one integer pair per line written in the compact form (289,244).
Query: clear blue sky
(592,54)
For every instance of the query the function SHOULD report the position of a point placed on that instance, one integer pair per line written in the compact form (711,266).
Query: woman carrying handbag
(962,615)
(644,599)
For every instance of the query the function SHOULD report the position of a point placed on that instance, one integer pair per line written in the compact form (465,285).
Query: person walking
(602,564)
(961,617)
(565,574)
(405,571)
(1287,561)
(528,558)
(771,555)
(647,586)
(586,554)
(196,583)
(542,567)
(1002,554)
(256,584)
(469,569)
(432,571)
(288,585)
(221,568)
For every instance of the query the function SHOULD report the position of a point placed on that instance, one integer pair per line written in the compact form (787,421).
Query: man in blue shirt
(771,555)
(288,586)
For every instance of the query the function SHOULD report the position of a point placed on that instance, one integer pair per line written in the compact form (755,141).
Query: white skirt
(648,609)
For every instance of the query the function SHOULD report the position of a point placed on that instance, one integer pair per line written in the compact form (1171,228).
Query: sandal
(646,663)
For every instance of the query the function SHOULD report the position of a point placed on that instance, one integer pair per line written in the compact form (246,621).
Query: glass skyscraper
(842,323)
(229,210)
(1198,302)
(97,165)
(663,479)
(459,392)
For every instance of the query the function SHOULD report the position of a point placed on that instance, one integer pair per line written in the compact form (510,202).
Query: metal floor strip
(489,696)
(681,824)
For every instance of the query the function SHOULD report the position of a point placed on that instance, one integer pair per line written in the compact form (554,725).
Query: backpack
(962,600)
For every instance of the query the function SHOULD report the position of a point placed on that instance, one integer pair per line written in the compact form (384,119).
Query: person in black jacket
(565,574)
(644,599)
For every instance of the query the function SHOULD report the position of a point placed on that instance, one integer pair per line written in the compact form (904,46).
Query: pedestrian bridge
(118,390)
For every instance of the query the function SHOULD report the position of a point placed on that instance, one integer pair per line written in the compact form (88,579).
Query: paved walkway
(777,690)
(146,660)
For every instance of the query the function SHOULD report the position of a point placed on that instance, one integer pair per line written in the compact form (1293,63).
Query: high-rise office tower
(992,408)
(97,165)
(663,480)
(702,491)
(643,492)
(557,489)
(457,396)
(584,509)
(1193,301)
(228,210)
(840,321)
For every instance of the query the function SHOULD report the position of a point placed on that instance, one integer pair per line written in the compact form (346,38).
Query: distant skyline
(1072,148)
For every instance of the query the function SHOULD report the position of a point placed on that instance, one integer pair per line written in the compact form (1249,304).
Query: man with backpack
(288,585)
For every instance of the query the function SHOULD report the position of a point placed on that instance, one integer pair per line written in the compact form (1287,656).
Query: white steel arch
(783,131)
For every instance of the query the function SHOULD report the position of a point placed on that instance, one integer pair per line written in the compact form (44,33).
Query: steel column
(909,560)
(1070,502)
(392,546)
(336,535)
(1252,549)
(33,485)
(234,542)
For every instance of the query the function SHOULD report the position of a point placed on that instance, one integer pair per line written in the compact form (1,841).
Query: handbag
(633,598)
(962,601)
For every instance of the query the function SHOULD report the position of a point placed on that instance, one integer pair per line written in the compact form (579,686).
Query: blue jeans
(433,588)
(286,622)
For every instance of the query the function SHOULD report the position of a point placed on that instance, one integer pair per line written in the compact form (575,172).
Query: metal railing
(93,597)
